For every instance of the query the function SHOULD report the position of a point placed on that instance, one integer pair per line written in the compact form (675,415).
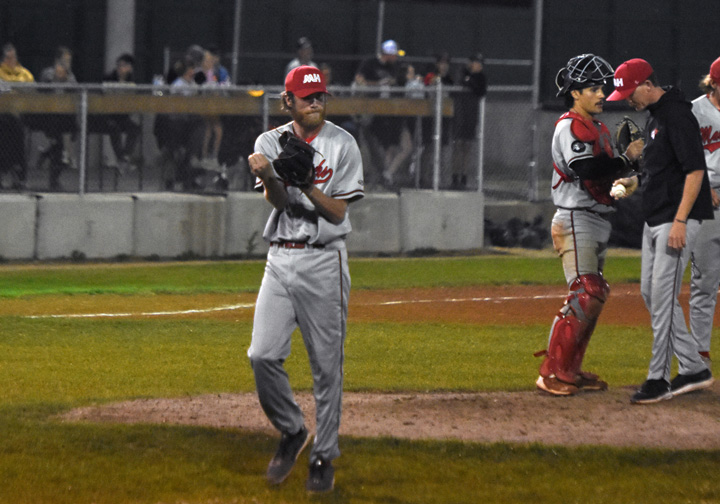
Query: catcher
(584,170)
(316,171)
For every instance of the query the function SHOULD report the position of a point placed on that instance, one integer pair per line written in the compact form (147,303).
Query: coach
(675,199)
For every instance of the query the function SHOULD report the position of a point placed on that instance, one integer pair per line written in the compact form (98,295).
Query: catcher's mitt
(626,133)
(295,163)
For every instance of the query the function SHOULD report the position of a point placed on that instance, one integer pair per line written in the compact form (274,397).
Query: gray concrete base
(168,225)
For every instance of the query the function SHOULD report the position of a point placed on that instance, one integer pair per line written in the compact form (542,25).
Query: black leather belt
(296,245)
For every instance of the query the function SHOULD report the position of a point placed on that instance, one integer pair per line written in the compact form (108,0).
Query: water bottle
(158,80)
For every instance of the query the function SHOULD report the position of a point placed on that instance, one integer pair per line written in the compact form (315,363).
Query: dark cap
(303,43)
(477,57)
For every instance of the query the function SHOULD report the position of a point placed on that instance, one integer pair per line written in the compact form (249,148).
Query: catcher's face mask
(583,71)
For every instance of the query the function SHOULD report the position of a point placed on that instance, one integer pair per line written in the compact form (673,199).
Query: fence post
(481,145)
(265,111)
(83,142)
(437,137)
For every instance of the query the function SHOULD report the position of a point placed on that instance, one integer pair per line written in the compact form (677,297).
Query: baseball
(618,191)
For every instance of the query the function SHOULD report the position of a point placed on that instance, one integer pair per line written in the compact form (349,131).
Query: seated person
(179,136)
(60,129)
(118,125)
(12,141)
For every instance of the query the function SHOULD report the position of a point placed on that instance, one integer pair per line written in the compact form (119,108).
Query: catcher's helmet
(583,71)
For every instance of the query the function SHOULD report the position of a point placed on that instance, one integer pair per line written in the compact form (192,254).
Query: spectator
(217,72)
(382,70)
(465,123)
(387,138)
(12,141)
(440,72)
(413,83)
(185,131)
(60,129)
(61,69)
(193,56)
(304,55)
(10,68)
(117,125)
(327,72)
(214,77)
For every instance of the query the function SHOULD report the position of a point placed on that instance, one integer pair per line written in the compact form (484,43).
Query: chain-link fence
(100,138)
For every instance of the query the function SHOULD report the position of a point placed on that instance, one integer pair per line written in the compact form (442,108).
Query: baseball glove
(295,163)
(626,133)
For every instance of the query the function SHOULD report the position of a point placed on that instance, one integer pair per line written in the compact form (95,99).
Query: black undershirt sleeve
(598,167)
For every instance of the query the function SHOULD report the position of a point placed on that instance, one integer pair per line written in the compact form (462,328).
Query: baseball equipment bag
(295,163)
(626,133)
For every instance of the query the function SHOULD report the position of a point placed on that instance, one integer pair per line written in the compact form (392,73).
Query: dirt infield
(606,418)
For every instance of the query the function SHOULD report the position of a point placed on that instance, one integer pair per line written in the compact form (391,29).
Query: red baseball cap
(304,81)
(715,71)
(628,77)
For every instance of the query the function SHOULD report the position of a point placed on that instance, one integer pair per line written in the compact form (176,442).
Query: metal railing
(100,137)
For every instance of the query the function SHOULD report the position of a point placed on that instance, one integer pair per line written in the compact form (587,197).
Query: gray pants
(309,289)
(661,279)
(580,238)
(705,281)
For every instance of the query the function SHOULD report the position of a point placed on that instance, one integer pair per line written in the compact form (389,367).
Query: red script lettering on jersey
(710,138)
(322,173)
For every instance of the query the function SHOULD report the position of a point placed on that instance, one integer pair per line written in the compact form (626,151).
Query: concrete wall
(97,225)
(17,226)
(48,226)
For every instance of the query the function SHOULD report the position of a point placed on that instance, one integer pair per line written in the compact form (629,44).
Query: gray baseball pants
(704,282)
(661,278)
(309,289)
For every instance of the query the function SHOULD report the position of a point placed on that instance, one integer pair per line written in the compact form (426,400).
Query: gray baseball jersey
(307,285)
(338,173)
(705,257)
(580,230)
(567,147)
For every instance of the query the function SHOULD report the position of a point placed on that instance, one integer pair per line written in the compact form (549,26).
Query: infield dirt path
(687,422)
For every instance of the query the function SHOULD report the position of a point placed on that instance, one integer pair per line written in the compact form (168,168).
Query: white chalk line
(147,314)
(242,306)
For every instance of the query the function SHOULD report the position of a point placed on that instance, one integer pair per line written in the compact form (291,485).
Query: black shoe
(321,477)
(682,384)
(287,453)
(652,391)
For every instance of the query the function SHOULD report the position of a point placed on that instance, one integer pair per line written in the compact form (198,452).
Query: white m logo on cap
(618,82)
(311,78)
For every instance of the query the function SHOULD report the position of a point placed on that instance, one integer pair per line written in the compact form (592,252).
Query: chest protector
(595,133)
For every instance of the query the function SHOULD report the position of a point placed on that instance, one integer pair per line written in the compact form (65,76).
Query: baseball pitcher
(310,170)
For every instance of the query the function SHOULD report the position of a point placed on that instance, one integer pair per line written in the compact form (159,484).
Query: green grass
(245,276)
(48,366)
(46,361)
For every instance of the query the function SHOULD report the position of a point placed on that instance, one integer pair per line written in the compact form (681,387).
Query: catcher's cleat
(287,453)
(556,387)
(591,382)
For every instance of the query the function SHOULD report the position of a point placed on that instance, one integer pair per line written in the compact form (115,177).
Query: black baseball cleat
(683,384)
(321,477)
(652,391)
(287,453)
